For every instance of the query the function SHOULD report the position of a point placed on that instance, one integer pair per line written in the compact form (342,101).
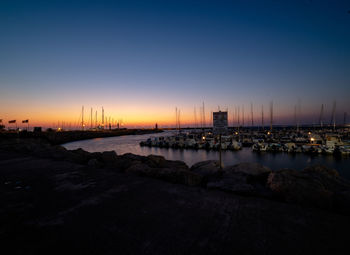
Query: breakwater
(70,136)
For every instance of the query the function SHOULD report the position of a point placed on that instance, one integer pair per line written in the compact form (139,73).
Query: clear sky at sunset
(141,59)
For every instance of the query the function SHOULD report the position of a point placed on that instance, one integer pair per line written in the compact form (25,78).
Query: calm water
(126,144)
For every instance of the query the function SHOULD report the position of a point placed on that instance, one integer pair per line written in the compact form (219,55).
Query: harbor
(286,139)
(279,160)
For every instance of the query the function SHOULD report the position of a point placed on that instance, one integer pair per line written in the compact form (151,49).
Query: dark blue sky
(162,54)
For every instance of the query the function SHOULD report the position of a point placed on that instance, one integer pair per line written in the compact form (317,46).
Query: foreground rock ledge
(56,201)
(315,186)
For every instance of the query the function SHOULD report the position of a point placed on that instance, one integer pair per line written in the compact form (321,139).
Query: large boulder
(79,156)
(319,169)
(254,170)
(127,160)
(174,175)
(244,179)
(160,168)
(109,157)
(160,161)
(94,163)
(207,169)
(316,186)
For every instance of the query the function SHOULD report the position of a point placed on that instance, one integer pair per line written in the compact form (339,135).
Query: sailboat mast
(321,117)
(103,117)
(96,119)
(251,113)
(91,118)
(271,115)
(242,115)
(82,118)
(333,114)
(195,118)
(262,117)
(204,124)
(176,122)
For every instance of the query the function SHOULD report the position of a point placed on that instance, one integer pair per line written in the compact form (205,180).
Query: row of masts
(106,122)
(238,117)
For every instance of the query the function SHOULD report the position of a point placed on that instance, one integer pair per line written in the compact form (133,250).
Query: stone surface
(244,179)
(94,163)
(251,169)
(316,186)
(209,169)
(60,207)
(109,157)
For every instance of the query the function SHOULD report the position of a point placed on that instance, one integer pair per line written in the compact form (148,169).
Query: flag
(25,121)
(12,121)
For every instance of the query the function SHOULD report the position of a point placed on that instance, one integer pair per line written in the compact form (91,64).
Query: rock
(160,161)
(109,157)
(58,152)
(250,169)
(138,167)
(244,179)
(207,169)
(127,160)
(79,156)
(232,182)
(156,161)
(319,169)
(300,187)
(94,163)
(168,173)
(191,179)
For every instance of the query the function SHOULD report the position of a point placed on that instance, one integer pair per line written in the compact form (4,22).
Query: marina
(274,160)
(321,141)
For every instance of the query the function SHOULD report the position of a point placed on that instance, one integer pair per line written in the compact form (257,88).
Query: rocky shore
(56,200)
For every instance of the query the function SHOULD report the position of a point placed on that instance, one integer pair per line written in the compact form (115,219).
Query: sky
(142,59)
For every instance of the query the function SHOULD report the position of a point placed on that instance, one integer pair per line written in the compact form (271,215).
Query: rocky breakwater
(61,137)
(315,186)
